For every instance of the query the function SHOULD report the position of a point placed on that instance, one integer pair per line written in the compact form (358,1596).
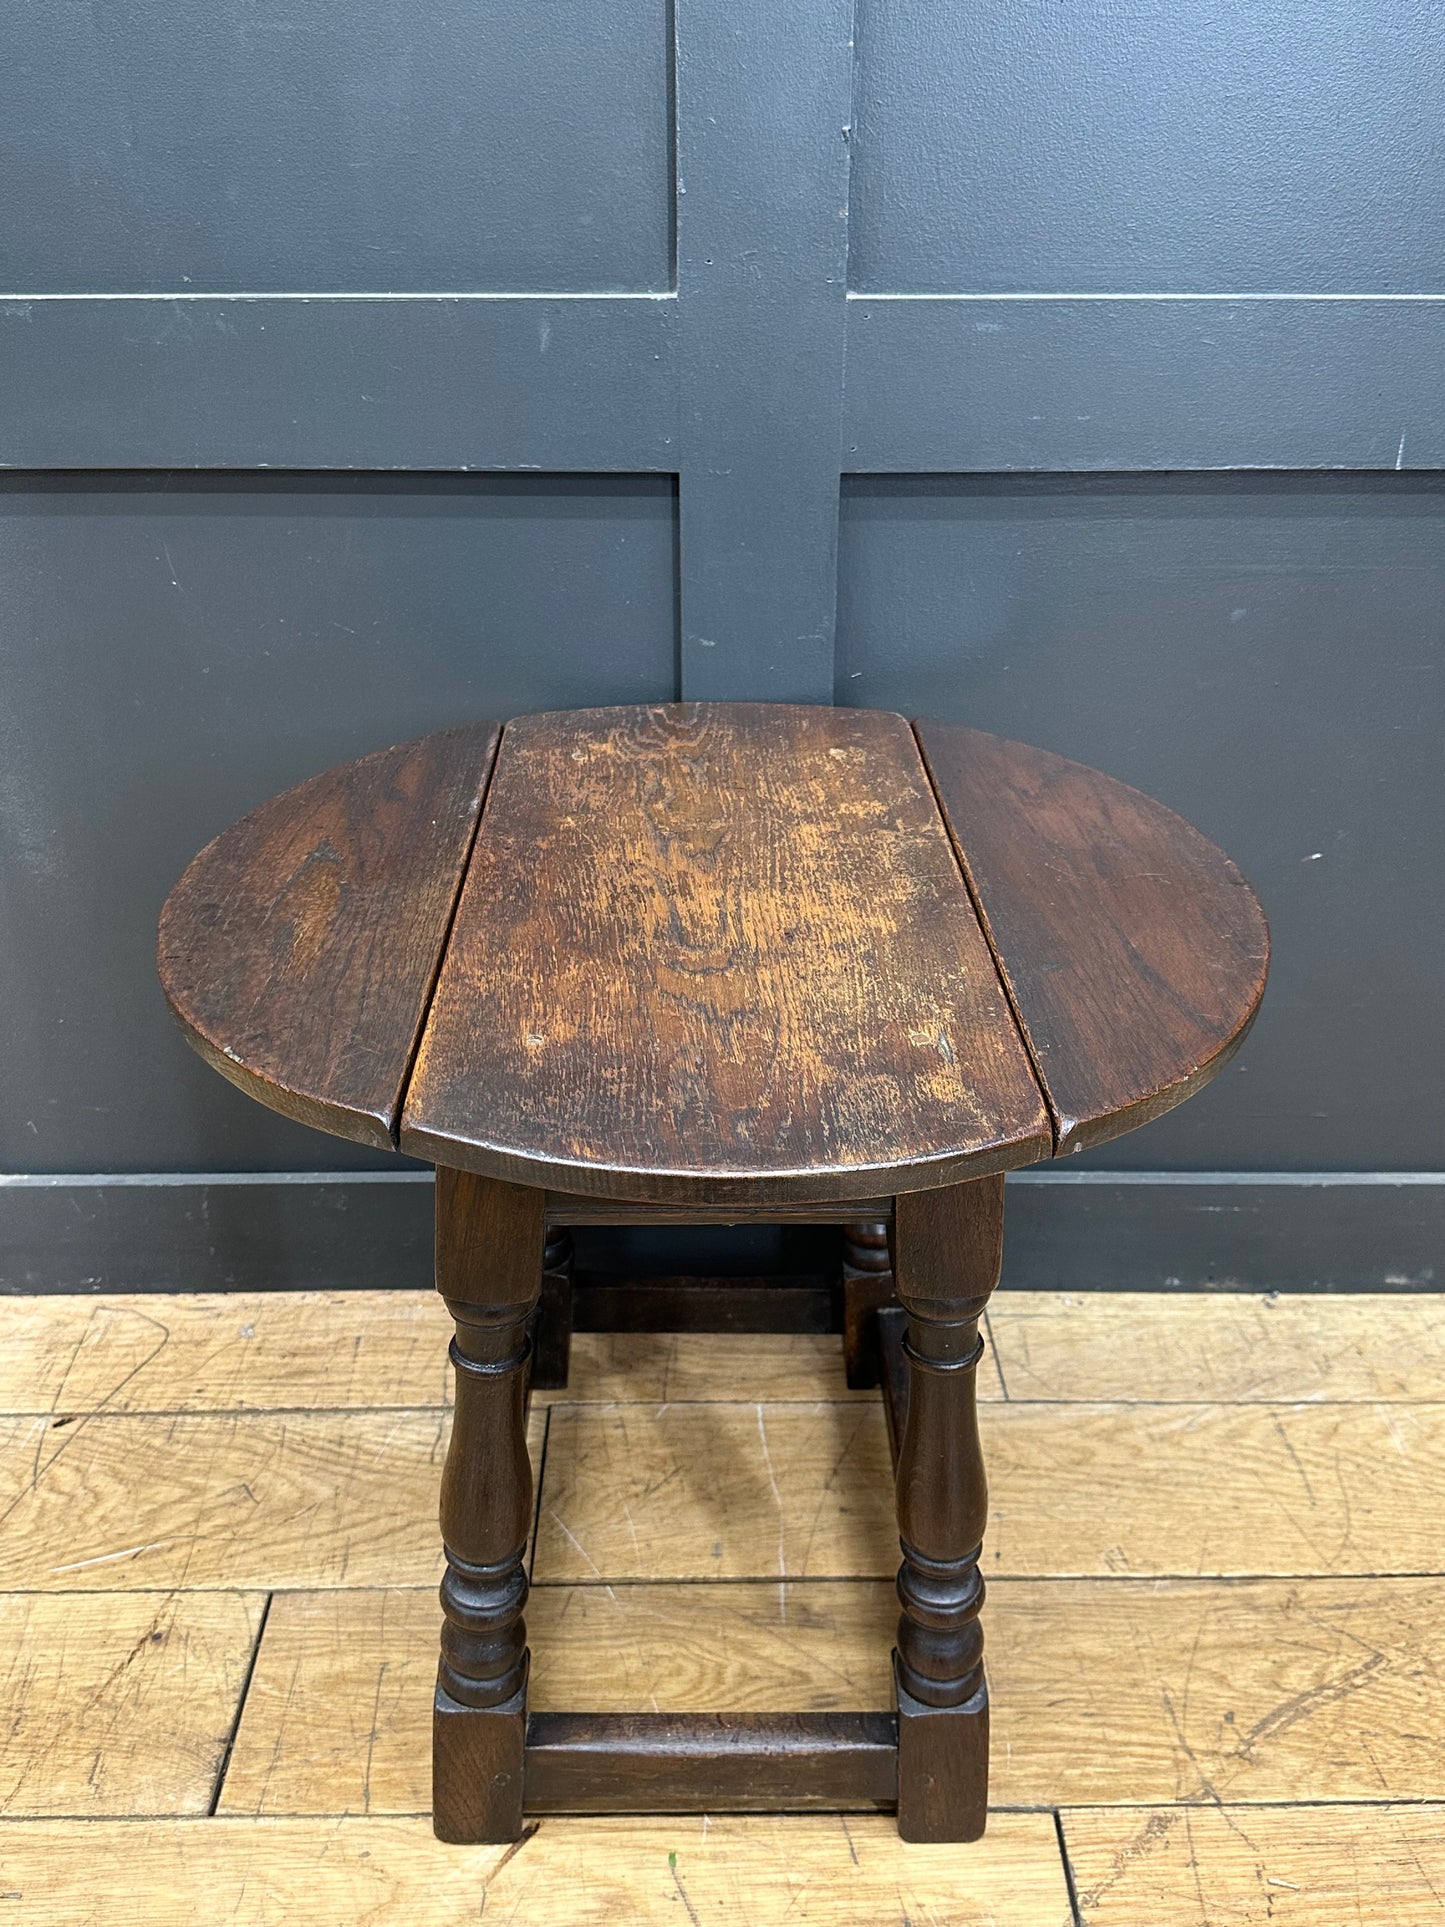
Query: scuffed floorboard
(1215,1645)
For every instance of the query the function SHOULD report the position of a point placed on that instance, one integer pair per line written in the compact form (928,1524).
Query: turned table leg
(947,1250)
(489,1270)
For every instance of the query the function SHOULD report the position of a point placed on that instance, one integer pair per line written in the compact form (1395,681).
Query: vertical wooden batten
(763,101)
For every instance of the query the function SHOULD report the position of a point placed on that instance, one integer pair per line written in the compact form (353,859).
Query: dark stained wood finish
(710,1762)
(942,1766)
(568,1208)
(1134,950)
(716,963)
(299,949)
(891,1329)
(867,1287)
(489,1271)
(948,1247)
(788,1302)
(715,956)
(550,1329)
(715,952)
(477,1770)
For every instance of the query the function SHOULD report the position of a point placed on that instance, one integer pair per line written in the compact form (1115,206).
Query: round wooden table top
(715,953)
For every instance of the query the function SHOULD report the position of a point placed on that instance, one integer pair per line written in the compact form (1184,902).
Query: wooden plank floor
(1216,1649)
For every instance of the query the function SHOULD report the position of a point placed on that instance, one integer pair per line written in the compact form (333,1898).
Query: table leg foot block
(942,1768)
(477,1770)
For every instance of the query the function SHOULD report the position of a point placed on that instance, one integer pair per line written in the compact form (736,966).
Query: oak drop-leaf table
(716,963)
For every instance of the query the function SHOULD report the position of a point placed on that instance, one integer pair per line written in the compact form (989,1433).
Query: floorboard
(119,1704)
(741,1872)
(1214,1642)
(755,1491)
(1227,1347)
(249,1499)
(1103,1690)
(266,1351)
(1361,1866)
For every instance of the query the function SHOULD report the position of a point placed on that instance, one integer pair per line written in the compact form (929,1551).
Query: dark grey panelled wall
(1074,372)
(173,650)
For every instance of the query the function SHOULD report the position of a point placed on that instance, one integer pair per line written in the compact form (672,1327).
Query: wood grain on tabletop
(299,949)
(1370,1866)
(232,1500)
(678,1492)
(1103,1690)
(1135,951)
(723,950)
(1224,1347)
(727,1872)
(119,1704)
(664,973)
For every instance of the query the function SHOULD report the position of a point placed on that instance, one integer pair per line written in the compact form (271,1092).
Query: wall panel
(173,650)
(1147,145)
(1267,654)
(376,145)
